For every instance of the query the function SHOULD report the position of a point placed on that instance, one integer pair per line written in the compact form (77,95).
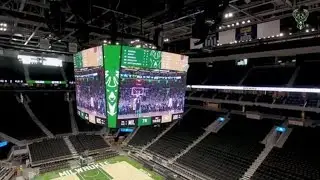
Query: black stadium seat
(145,134)
(183,133)
(296,160)
(228,154)
(306,76)
(49,149)
(272,76)
(83,142)
(225,73)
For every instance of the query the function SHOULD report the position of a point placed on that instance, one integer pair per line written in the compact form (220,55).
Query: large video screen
(150,96)
(90,94)
(122,86)
(92,57)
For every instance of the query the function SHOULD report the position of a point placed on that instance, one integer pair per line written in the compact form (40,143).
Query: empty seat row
(53,166)
(105,155)
(296,160)
(183,133)
(145,134)
(228,154)
(296,100)
(83,142)
(48,149)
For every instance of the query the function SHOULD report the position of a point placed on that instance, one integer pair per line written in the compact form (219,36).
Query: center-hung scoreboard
(124,86)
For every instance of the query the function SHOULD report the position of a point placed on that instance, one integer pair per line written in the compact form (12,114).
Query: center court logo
(82,169)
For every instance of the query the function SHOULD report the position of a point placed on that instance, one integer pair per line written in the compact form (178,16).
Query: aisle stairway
(70,146)
(255,165)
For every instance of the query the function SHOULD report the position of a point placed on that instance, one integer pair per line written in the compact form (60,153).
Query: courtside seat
(49,149)
(297,159)
(53,166)
(146,134)
(228,154)
(105,155)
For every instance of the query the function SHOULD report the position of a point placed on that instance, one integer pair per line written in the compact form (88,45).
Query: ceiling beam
(246,13)
(31,36)
(88,22)
(117,12)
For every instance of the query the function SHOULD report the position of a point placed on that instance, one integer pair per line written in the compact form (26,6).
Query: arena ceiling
(27,23)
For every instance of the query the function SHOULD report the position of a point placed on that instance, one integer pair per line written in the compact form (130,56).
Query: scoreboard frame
(118,57)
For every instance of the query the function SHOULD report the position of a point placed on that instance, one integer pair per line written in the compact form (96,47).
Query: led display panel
(90,94)
(147,94)
(123,86)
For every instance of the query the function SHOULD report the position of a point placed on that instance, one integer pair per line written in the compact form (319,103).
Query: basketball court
(118,168)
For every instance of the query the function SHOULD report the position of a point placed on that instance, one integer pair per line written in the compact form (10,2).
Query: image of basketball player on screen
(155,93)
(90,93)
(137,105)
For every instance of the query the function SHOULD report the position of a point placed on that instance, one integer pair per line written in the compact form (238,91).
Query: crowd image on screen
(90,91)
(148,95)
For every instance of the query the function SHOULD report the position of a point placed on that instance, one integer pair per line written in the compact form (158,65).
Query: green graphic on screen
(144,121)
(77,59)
(112,66)
(141,58)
